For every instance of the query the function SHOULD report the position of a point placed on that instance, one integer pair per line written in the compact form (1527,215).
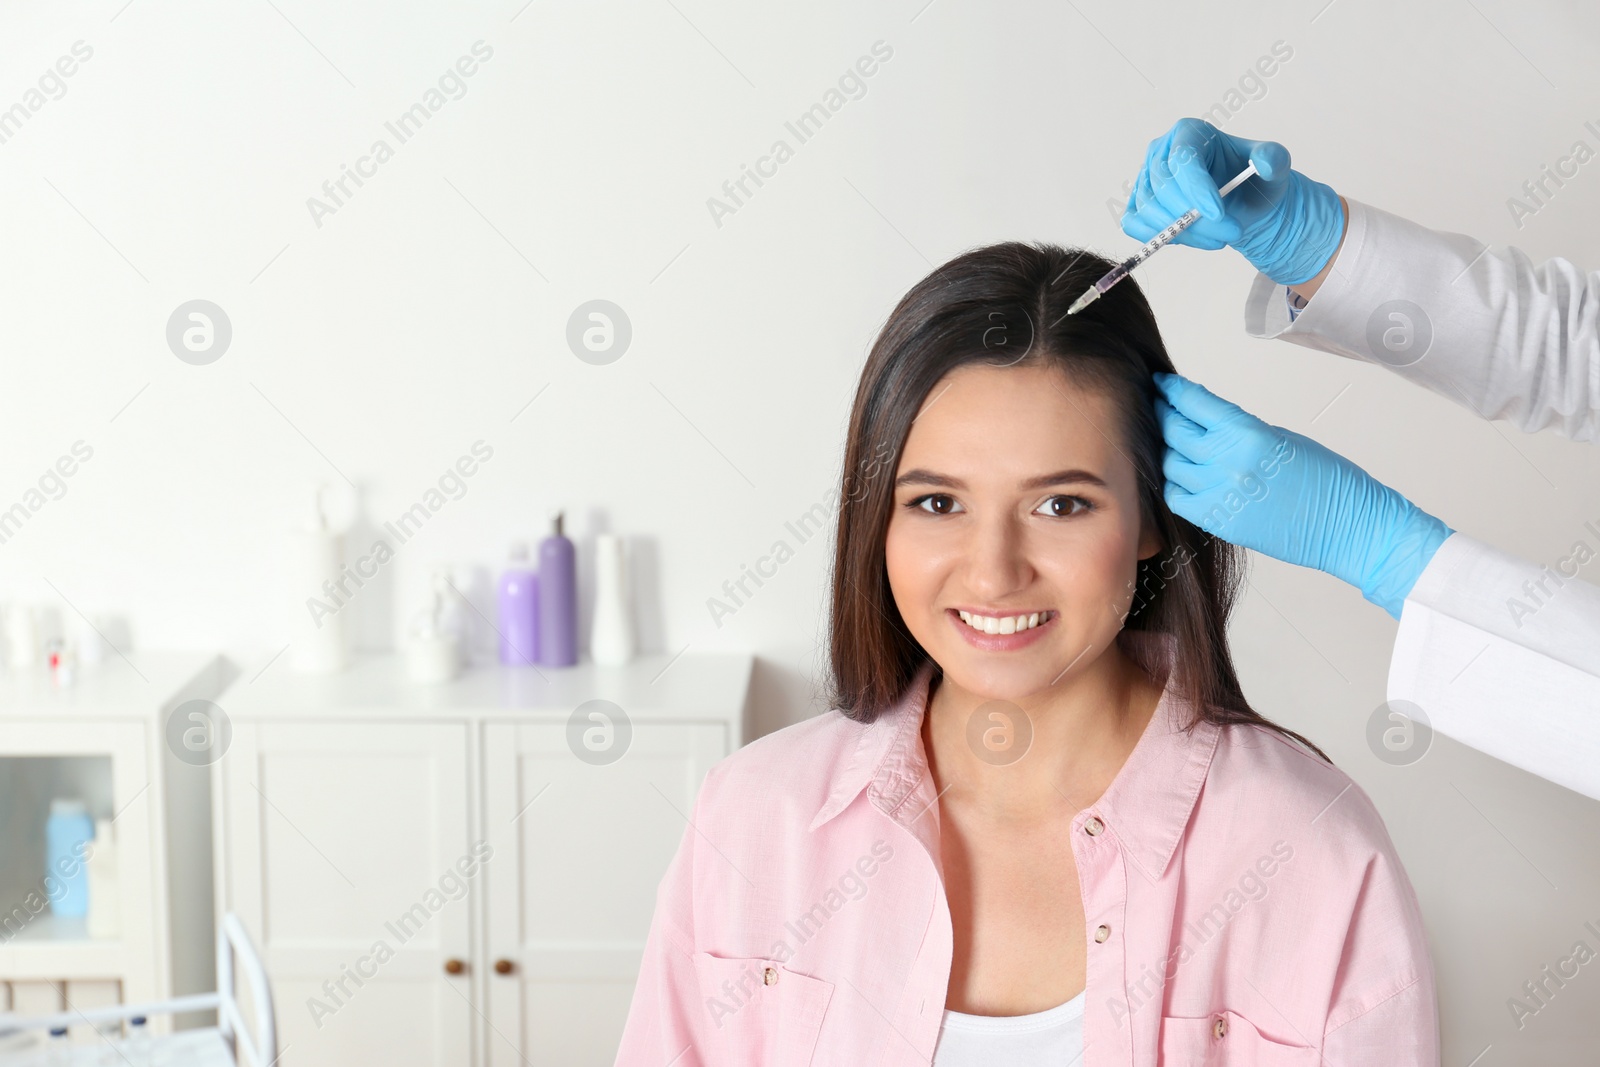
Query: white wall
(427,311)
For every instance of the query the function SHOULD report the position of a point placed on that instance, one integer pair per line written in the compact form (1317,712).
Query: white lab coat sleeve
(1496,333)
(1504,655)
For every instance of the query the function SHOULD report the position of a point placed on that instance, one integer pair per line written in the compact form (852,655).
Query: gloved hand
(1283,222)
(1284,495)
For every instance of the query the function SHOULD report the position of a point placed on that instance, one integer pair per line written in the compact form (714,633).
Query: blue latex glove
(1284,495)
(1283,222)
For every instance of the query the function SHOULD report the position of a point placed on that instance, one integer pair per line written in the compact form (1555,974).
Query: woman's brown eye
(942,503)
(1063,507)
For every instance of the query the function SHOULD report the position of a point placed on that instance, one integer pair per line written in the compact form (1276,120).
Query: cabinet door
(579,850)
(108,764)
(340,854)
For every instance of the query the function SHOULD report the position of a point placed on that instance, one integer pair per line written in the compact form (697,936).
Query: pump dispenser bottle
(558,600)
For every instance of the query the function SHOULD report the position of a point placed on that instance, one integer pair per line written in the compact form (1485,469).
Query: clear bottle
(58,1053)
(139,1047)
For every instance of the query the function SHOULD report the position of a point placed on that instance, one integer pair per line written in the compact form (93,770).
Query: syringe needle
(1155,244)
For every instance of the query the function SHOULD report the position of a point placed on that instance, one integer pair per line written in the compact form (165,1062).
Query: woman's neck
(1083,730)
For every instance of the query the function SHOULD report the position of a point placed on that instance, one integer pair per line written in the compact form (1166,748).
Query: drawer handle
(504,966)
(454,966)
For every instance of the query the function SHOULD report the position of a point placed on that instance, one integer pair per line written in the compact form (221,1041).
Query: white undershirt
(1049,1038)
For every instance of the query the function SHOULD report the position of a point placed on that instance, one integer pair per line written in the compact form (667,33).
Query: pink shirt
(804,921)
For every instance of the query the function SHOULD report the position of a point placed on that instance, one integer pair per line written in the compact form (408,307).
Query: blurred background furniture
(510,885)
(103,740)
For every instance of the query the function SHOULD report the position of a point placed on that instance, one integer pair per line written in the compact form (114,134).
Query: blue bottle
(67,834)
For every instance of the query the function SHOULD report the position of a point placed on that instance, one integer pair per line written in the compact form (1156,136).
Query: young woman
(1042,825)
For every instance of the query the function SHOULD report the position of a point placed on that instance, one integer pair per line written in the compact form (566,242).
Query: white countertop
(144,684)
(652,686)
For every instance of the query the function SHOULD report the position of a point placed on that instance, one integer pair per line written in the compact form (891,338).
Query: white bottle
(434,647)
(104,918)
(317,604)
(22,636)
(612,642)
(91,635)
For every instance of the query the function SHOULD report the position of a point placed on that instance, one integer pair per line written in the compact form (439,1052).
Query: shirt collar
(1147,806)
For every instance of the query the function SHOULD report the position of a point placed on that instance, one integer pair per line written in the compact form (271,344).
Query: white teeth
(1007,625)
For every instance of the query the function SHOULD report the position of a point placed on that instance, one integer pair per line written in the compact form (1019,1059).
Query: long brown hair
(1005,305)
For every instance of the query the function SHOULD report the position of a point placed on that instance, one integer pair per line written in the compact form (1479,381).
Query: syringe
(1123,269)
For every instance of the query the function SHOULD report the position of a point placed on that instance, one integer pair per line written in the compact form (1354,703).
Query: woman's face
(1015,502)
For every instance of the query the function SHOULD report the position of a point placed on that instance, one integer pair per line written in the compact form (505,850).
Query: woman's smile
(1002,633)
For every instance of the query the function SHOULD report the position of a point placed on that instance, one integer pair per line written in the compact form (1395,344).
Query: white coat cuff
(1337,311)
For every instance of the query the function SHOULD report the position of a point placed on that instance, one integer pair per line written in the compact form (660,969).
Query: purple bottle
(519,610)
(558,601)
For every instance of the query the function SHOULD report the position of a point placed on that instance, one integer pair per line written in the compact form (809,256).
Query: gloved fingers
(1169,192)
(1191,159)
(1270,157)
(1184,504)
(1143,195)
(1132,206)
(1181,433)
(1156,186)
(1196,237)
(1134,222)
(1136,227)
(1194,400)
(1157,149)
(1157,198)
(1176,497)
(1146,215)
(1192,477)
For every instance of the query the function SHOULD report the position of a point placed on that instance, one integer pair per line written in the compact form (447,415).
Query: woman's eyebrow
(922,476)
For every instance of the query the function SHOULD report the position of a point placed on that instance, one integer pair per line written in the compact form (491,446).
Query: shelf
(142,685)
(58,930)
(53,947)
(657,686)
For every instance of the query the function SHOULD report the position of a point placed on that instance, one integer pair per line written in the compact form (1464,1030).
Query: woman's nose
(997,560)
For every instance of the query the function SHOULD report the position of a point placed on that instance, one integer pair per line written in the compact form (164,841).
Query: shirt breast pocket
(1227,1039)
(759,1011)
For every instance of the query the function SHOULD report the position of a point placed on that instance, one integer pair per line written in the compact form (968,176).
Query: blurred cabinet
(103,740)
(462,873)
(337,835)
(579,850)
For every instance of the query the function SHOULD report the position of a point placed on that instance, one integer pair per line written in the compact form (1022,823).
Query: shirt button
(769,976)
(1219,1029)
(1102,932)
(1093,826)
